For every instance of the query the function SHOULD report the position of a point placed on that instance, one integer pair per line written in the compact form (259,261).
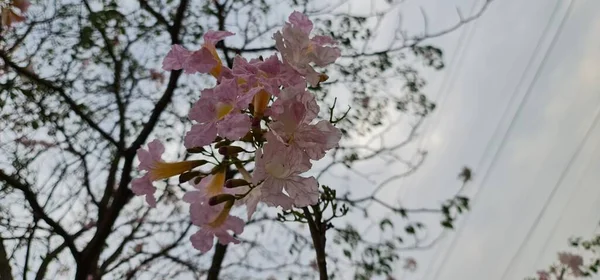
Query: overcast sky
(520,157)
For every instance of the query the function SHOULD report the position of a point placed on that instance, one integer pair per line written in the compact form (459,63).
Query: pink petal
(278,199)
(289,77)
(323,40)
(234,224)
(202,213)
(156,149)
(212,37)
(277,151)
(225,74)
(304,191)
(312,77)
(143,186)
(200,135)
(271,65)
(251,201)
(146,161)
(243,101)
(301,21)
(203,110)
(234,126)
(259,173)
(149,158)
(200,61)
(151,200)
(225,238)
(227,91)
(176,58)
(193,197)
(323,56)
(317,139)
(202,240)
(241,67)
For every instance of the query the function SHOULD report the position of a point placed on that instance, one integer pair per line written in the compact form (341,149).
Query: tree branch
(38,211)
(5,270)
(162,20)
(217,261)
(50,85)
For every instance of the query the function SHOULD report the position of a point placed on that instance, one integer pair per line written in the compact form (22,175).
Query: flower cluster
(569,265)
(262,104)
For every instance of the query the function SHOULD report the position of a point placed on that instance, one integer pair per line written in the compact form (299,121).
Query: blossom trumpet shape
(151,161)
(204,60)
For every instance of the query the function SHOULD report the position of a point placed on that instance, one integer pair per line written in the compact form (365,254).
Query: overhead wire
(511,125)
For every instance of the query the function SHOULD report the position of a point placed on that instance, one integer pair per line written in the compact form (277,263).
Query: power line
(572,196)
(512,123)
(571,160)
(554,189)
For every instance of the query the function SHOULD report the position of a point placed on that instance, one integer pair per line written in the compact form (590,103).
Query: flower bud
(220,198)
(323,78)
(187,176)
(230,150)
(234,183)
(196,150)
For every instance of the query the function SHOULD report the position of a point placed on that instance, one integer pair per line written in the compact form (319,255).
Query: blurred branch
(41,271)
(38,211)
(413,41)
(123,194)
(162,20)
(217,262)
(5,269)
(163,252)
(50,85)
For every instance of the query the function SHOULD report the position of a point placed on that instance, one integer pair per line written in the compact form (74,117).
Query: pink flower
(269,74)
(209,186)
(410,264)
(204,60)
(9,17)
(299,50)
(543,275)
(574,262)
(278,168)
(23,5)
(218,111)
(32,143)
(143,186)
(214,221)
(293,113)
(157,76)
(264,77)
(151,161)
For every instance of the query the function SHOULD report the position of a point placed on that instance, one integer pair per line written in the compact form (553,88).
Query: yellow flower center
(216,71)
(223,109)
(241,81)
(310,48)
(222,217)
(260,102)
(215,186)
(164,170)
(277,170)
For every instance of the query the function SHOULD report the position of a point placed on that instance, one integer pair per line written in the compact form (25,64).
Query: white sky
(544,136)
